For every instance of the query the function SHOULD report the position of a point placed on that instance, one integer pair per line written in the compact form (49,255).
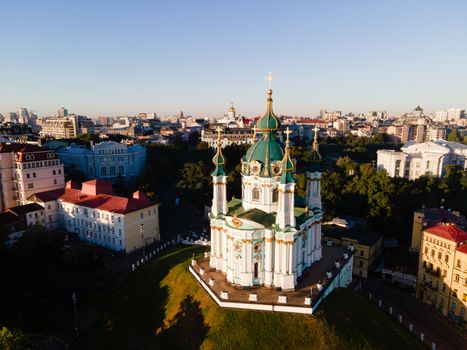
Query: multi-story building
(417,159)
(97,216)
(427,217)
(442,270)
(229,136)
(342,125)
(436,133)
(107,160)
(62,112)
(66,127)
(26,169)
(368,247)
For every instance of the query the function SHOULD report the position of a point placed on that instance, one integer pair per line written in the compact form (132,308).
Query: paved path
(436,327)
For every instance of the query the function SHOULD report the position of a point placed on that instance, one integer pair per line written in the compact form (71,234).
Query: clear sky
(123,57)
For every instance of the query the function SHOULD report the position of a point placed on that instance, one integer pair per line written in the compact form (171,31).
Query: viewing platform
(318,281)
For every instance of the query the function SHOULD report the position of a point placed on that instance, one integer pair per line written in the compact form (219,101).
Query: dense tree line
(350,183)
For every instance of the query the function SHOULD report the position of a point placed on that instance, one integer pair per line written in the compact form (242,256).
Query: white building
(263,238)
(26,169)
(417,159)
(97,216)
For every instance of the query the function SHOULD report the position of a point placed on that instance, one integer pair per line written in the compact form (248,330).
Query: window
(59,171)
(446,258)
(456,278)
(255,194)
(256,270)
(426,250)
(112,171)
(458,263)
(54,172)
(55,181)
(360,263)
(362,252)
(28,176)
(440,255)
(33,174)
(103,171)
(275,195)
(433,253)
(121,170)
(30,185)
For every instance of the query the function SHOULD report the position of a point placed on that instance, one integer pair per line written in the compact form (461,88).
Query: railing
(432,272)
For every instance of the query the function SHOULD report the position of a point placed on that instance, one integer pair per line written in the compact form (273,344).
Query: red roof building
(448,231)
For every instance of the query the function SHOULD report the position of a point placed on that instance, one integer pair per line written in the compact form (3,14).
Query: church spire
(287,164)
(218,159)
(315,156)
(268,122)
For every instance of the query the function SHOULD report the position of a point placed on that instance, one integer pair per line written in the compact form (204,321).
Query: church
(270,236)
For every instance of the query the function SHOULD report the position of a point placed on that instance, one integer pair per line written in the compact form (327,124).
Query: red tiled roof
(48,196)
(462,248)
(96,186)
(448,231)
(106,202)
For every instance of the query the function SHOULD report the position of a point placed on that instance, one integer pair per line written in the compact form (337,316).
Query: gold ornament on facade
(237,222)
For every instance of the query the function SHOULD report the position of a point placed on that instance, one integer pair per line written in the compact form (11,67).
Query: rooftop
(365,238)
(448,231)
(24,209)
(96,194)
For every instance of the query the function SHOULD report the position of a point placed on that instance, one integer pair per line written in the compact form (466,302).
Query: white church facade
(270,236)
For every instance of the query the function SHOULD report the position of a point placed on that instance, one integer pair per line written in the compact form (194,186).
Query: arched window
(255,194)
(275,195)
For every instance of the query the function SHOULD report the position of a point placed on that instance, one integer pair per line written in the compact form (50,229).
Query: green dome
(267,151)
(268,122)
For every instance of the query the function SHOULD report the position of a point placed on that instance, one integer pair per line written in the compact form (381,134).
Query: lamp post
(141,229)
(75,304)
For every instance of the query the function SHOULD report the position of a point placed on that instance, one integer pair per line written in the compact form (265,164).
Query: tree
(454,136)
(194,183)
(12,339)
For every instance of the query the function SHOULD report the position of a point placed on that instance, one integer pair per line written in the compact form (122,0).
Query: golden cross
(269,78)
(218,132)
(287,132)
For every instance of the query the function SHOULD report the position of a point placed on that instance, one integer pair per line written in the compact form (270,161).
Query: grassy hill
(162,306)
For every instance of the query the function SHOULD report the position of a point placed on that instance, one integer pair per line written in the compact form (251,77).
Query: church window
(275,195)
(255,194)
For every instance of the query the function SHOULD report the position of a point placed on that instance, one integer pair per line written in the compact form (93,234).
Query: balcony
(433,272)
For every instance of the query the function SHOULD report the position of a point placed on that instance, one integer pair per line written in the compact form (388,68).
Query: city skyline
(147,57)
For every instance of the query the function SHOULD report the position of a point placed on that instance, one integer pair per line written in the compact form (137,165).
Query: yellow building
(368,247)
(427,217)
(442,270)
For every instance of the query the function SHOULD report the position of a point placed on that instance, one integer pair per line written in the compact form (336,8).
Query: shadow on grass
(133,309)
(187,330)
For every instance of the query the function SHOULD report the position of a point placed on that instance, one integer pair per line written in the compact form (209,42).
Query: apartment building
(442,270)
(26,169)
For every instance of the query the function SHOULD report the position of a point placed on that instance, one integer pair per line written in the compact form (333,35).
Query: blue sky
(124,57)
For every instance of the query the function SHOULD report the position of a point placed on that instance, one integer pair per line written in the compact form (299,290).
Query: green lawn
(161,306)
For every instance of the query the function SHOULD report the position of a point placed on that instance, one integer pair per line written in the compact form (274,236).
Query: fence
(398,315)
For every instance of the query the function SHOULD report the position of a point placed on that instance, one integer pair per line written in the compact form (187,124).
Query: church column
(291,258)
(284,258)
(268,256)
(213,258)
